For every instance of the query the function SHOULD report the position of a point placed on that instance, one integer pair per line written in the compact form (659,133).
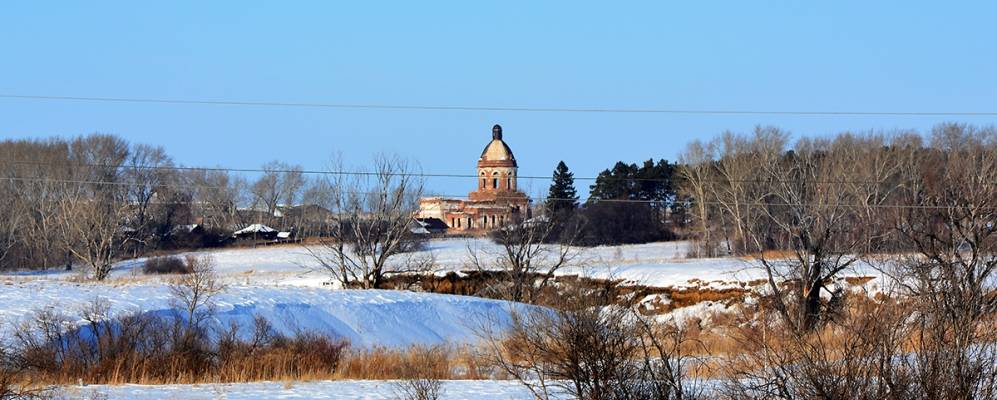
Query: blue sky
(843,55)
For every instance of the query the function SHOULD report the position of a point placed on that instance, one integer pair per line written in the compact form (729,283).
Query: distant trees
(94,199)
(630,203)
(87,200)
(92,207)
(812,203)
(218,196)
(921,213)
(650,181)
(147,170)
(951,267)
(280,183)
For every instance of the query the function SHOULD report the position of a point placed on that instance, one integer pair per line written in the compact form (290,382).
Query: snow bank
(453,390)
(364,317)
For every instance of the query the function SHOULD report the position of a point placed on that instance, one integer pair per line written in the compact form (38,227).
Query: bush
(596,353)
(165,265)
(153,349)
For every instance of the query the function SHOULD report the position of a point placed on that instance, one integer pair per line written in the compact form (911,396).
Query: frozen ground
(285,284)
(364,317)
(453,390)
(654,264)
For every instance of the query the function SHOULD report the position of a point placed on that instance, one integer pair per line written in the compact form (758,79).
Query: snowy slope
(364,317)
(653,264)
(453,390)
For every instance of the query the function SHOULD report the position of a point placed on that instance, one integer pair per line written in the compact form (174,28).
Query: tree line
(92,199)
(628,203)
(920,210)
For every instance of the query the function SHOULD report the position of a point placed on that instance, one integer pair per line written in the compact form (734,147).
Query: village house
(497,200)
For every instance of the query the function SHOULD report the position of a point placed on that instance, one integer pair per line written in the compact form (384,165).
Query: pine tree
(562,196)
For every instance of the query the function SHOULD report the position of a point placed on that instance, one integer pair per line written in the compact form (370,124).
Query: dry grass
(768,255)
(436,362)
(140,349)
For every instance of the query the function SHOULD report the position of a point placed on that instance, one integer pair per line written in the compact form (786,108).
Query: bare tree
(13,219)
(696,172)
(145,170)
(217,197)
(592,352)
(951,275)
(372,222)
(856,356)
(814,203)
(280,184)
(38,190)
(92,206)
(92,232)
(193,292)
(526,258)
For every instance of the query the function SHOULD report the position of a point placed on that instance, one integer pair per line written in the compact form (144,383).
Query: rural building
(496,201)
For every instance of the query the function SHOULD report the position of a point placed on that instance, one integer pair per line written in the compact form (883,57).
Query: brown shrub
(165,265)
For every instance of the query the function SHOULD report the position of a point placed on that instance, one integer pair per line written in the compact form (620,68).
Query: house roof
(432,223)
(255,228)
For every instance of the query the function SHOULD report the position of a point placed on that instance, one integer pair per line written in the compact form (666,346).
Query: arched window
(469,226)
(493,220)
(495,180)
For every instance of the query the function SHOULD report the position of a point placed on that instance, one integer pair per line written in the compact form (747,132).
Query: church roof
(497,150)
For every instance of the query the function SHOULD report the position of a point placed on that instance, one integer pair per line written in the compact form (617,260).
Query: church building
(497,200)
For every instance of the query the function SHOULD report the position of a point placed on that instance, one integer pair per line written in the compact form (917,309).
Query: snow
(701,311)
(364,317)
(255,228)
(287,283)
(654,264)
(452,390)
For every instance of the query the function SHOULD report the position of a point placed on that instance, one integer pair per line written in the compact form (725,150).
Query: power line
(413,107)
(415,174)
(590,199)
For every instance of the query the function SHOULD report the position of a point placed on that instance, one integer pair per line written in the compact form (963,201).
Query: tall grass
(151,349)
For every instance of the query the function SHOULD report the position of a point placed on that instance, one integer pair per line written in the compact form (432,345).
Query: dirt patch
(657,300)
(858,280)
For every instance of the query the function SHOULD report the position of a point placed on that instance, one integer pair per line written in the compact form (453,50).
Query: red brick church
(496,202)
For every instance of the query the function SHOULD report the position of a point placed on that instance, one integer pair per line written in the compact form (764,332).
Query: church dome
(497,150)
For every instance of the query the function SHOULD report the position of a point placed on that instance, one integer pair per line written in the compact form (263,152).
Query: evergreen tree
(649,188)
(650,181)
(562,196)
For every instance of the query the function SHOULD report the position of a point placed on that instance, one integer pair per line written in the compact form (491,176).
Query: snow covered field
(364,317)
(285,285)
(654,264)
(453,390)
